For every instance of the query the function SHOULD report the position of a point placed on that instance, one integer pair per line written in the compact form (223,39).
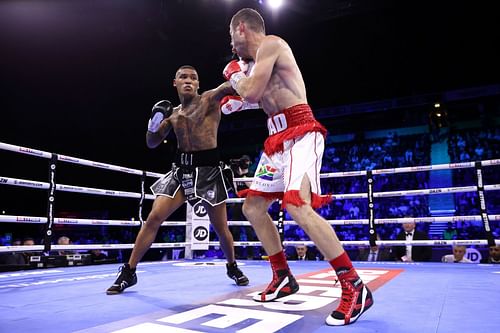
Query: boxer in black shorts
(196,174)
(201,176)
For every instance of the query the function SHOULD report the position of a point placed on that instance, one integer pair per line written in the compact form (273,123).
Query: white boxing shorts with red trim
(294,149)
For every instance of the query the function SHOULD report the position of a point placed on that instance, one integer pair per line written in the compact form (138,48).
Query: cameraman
(240,168)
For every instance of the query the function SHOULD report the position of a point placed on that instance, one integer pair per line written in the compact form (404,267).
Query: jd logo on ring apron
(200,222)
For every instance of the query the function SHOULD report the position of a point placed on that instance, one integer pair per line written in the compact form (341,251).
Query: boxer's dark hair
(185,67)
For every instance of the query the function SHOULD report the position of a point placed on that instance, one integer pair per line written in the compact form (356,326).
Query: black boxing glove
(161,110)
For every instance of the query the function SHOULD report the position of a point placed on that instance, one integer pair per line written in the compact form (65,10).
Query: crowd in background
(391,151)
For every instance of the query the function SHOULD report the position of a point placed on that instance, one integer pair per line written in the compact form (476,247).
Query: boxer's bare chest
(195,126)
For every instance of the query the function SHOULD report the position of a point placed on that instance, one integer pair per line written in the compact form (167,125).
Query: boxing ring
(191,295)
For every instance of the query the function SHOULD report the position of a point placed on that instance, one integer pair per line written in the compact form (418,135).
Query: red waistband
(290,117)
(290,123)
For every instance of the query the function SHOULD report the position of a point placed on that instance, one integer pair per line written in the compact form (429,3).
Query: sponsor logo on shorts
(265,172)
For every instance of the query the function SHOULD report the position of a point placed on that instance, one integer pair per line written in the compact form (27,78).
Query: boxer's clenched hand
(235,71)
(161,110)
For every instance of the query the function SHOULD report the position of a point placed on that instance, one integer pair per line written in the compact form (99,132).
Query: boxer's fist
(161,110)
(230,104)
(235,66)
(234,71)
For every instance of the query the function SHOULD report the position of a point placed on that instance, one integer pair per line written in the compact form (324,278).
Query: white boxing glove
(235,103)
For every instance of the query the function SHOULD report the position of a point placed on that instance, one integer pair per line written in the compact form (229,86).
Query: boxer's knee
(304,215)
(249,209)
(255,207)
(154,220)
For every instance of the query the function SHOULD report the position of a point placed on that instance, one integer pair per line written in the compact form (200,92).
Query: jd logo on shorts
(199,210)
(200,233)
(265,172)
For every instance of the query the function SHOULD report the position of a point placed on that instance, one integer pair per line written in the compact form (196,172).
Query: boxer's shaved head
(251,18)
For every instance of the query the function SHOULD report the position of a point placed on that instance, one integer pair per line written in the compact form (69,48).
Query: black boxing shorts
(200,175)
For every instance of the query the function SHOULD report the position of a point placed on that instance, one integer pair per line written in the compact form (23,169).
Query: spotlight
(275,3)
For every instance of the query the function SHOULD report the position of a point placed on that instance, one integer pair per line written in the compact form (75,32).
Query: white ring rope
(72,188)
(40,248)
(74,221)
(113,193)
(435,167)
(401,220)
(74,160)
(437,242)
(96,191)
(89,190)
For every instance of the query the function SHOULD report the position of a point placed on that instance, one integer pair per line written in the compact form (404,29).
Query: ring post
(51,197)
(281,230)
(371,214)
(482,204)
(143,195)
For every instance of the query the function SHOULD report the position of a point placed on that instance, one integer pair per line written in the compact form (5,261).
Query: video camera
(243,162)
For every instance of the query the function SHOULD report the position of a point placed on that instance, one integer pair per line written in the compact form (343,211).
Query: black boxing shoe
(126,278)
(234,273)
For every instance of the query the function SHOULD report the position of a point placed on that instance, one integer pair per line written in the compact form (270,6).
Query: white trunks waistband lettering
(277,123)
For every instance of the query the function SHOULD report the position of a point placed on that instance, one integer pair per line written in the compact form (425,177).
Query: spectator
(411,253)
(450,232)
(64,240)
(302,253)
(494,255)
(374,253)
(457,256)
(13,258)
(29,241)
(97,255)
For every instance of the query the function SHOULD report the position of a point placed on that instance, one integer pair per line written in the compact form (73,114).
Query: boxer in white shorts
(290,165)
(294,149)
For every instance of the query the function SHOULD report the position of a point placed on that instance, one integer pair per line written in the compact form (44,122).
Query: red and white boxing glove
(230,104)
(235,71)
